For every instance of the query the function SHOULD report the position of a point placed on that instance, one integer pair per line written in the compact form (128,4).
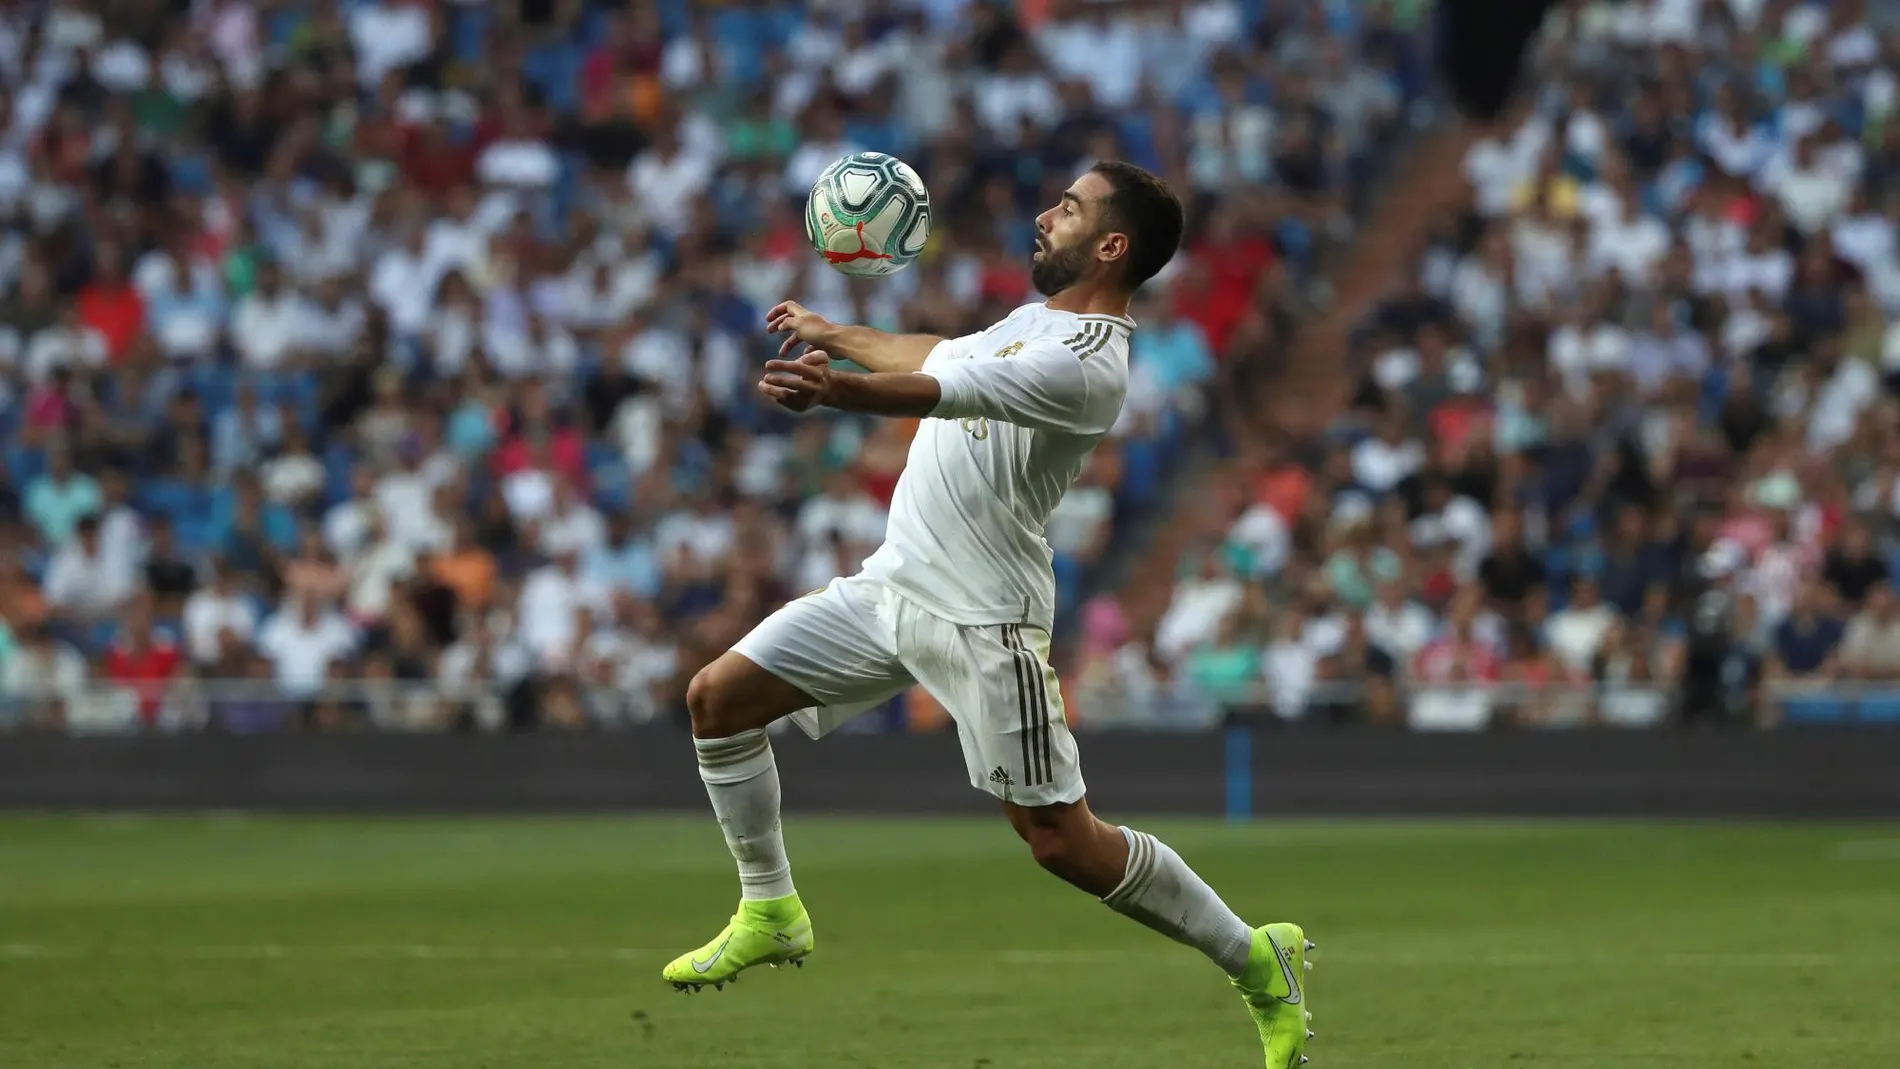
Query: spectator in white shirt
(375,574)
(1202,600)
(552,600)
(293,477)
(304,640)
(1398,625)
(68,345)
(403,282)
(346,524)
(269,324)
(1080,525)
(572,526)
(217,617)
(404,498)
(1100,47)
(1382,462)
(122,536)
(824,141)
(1576,632)
(634,659)
(843,510)
(1738,145)
(1015,93)
(242,434)
(1666,352)
(390,35)
(47,672)
(1812,192)
(334,323)
(1629,243)
(80,584)
(517,159)
(529,492)
(667,178)
(1291,665)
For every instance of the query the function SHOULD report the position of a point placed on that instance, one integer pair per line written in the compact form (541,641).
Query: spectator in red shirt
(143,661)
(1457,655)
(109,304)
(1216,291)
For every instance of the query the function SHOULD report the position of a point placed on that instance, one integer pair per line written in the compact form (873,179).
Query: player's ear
(1111,247)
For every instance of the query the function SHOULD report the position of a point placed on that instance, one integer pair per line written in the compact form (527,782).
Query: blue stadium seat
(1814,709)
(215,385)
(25,464)
(1882,707)
(1068,582)
(613,489)
(338,461)
(1141,473)
(601,454)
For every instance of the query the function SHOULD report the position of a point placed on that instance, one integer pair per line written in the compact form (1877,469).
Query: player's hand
(799,323)
(798,385)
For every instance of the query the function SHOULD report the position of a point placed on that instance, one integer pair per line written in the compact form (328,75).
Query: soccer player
(960,599)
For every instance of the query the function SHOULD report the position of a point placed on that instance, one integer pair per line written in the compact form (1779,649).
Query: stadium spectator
(1807,642)
(1870,647)
(460,302)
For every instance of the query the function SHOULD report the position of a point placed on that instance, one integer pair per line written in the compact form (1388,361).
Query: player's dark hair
(1141,206)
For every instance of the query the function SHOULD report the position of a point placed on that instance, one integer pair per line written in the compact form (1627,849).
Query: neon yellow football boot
(1274,985)
(773,931)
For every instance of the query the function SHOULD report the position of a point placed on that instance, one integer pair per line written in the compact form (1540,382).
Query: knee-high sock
(1159,890)
(742,780)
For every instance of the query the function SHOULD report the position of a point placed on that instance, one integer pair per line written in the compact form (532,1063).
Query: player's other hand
(799,323)
(798,384)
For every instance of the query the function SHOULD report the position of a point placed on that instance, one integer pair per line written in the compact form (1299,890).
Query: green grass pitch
(259,943)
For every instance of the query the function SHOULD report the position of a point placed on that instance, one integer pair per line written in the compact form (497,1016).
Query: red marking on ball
(852,257)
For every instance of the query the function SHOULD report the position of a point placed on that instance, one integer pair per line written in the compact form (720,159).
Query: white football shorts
(857,643)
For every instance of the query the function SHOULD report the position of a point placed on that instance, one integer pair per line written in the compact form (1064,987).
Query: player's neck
(1090,300)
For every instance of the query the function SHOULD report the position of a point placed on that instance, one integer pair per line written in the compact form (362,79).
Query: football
(868,214)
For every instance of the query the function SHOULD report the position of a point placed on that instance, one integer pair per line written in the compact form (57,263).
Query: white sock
(1161,892)
(742,780)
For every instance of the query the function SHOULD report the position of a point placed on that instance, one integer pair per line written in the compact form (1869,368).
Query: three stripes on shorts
(1032,701)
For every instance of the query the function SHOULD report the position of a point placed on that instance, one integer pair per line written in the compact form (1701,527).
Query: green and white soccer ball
(868,215)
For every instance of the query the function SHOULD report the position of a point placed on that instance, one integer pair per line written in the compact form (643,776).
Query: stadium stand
(1622,445)
(387,363)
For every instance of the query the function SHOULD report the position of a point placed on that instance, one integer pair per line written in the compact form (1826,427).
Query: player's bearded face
(1060,265)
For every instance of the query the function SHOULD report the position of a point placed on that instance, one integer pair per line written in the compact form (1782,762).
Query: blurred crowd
(388,362)
(1627,443)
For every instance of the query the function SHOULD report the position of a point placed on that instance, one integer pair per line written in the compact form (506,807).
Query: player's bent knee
(1057,835)
(715,704)
(732,695)
(1051,848)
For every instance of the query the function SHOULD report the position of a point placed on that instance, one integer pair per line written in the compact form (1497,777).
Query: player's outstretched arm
(1045,387)
(869,348)
(810,380)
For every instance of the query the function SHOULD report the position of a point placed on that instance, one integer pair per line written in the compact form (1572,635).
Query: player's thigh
(828,649)
(735,694)
(996,683)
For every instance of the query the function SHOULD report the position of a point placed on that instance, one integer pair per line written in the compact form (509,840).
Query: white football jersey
(1023,404)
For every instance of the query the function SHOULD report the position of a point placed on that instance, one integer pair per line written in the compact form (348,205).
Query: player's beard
(1059,268)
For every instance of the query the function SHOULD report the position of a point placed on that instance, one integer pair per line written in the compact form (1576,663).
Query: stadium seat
(25,464)
(1068,581)
(1814,709)
(1141,473)
(1882,707)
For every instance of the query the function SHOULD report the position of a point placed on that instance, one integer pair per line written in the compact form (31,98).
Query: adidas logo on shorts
(999,774)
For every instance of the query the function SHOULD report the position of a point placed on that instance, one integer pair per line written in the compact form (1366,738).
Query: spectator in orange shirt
(466,569)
